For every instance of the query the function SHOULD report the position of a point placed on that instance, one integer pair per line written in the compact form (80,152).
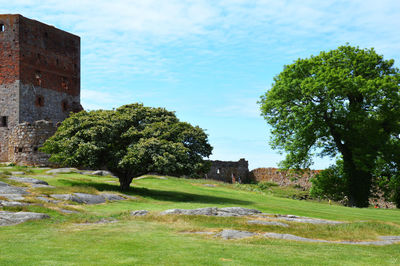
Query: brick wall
(284,178)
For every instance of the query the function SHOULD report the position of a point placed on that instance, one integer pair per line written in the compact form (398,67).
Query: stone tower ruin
(39,85)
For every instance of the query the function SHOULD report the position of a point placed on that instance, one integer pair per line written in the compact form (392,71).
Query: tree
(130,141)
(343,102)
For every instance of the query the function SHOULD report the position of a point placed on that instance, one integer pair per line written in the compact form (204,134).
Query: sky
(209,60)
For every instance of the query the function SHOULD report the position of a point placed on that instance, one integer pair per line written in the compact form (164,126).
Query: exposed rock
(28,180)
(70,197)
(11,218)
(139,213)
(236,211)
(112,197)
(63,171)
(294,218)
(12,203)
(234,234)
(12,192)
(102,173)
(267,223)
(386,240)
(214,211)
(209,185)
(47,200)
(81,198)
(18,173)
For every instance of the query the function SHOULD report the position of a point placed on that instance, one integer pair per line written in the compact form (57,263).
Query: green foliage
(330,183)
(345,101)
(130,141)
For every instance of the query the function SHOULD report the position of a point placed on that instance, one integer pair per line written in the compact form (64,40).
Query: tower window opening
(2,27)
(39,101)
(64,106)
(38,77)
(4,121)
(64,83)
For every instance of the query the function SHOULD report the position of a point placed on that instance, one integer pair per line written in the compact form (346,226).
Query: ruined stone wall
(9,98)
(284,178)
(26,139)
(228,171)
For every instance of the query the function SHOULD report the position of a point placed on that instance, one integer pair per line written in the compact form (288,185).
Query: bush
(330,183)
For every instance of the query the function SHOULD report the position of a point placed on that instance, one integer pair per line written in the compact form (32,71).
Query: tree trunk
(359,185)
(124,182)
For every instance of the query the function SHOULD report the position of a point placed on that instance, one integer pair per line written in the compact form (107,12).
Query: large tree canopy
(130,141)
(343,102)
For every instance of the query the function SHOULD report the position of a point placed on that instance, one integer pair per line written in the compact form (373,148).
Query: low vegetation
(86,238)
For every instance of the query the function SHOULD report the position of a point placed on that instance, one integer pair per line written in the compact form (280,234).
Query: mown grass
(68,239)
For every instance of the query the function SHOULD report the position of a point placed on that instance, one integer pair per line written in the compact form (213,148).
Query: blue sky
(209,60)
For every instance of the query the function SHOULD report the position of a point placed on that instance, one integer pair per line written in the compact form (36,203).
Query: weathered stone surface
(236,211)
(11,218)
(234,234)
(267,223)
(28,180)
(18,173)
(12,192)
(63,171)
(81,198)
(385,240)
(294,218)
(47,200)
(102,173)
(12,203)
(230,172)
(139,213)
(214,211)
(112,197)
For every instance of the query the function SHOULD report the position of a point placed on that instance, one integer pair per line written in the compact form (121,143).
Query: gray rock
(112,197)
(90,198)
(236,211)
(12,192)
(234,234)
(70,197)
(209,185)
(63,171)
(18,173)
(386,240)
(47,200)
(12,218)
(28,180)
(139,213)
(213,211)
(102,173)
(294,218)
(13,196)
(267,223)
(12,203)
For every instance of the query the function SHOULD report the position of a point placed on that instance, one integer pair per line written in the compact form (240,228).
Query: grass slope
(166,240)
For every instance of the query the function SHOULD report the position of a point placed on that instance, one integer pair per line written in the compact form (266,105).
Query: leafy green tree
(345,101)
(330,183)
(130,141)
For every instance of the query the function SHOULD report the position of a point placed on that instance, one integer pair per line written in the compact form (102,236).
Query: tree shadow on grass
(162,195)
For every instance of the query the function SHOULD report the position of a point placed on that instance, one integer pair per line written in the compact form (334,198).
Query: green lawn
(167,240)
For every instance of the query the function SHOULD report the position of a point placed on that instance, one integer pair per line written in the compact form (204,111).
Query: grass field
(74,239)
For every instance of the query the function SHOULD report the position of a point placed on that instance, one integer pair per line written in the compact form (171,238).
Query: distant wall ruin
(228,171)
(284,177)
